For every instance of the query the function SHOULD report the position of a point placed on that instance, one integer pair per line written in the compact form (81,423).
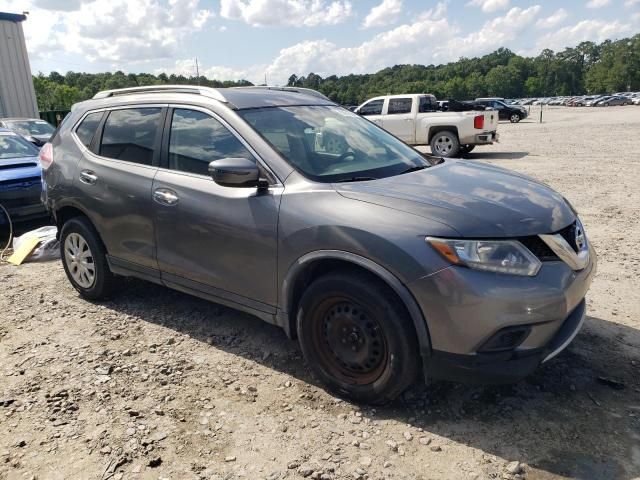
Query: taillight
(46,156)
(478,121)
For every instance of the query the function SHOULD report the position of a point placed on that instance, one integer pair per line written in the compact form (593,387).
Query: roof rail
(194,89)
(306,91)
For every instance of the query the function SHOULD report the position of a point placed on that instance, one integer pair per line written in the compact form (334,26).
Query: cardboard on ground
(23,250)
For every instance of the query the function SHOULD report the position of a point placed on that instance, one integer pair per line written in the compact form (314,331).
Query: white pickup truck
(415,119)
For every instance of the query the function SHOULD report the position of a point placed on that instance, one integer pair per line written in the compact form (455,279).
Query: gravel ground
(156,384)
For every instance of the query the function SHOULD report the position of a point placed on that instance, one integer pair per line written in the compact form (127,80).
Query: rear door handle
(164,196)
(88,177)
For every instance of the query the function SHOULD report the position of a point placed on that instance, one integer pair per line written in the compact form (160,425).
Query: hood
(19,168)
(477,200)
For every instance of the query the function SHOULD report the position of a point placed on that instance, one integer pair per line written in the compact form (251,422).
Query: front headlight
(501,256)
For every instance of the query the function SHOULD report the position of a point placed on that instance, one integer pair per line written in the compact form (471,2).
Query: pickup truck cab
(416,120)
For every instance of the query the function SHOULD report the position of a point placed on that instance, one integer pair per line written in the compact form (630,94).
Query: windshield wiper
(355,179)
(415,168)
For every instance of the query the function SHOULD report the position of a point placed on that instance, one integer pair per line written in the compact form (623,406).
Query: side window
(399,105)
(427,104)
(130,134)
(498,105)
(374,107)
(197,139)
(87,128)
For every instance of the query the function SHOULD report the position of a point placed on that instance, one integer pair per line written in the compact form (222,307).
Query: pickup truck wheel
(445,144)
(357,338)
(84,260)
(466,148)
(515,118)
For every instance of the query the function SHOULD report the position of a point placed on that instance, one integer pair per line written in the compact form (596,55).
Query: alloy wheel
(79,260)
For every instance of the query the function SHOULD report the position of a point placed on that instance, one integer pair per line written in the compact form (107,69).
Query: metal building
(17,95)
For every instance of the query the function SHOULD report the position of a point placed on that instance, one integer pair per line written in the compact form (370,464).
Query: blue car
(20,178)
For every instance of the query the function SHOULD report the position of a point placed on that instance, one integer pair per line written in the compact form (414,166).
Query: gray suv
(383,262)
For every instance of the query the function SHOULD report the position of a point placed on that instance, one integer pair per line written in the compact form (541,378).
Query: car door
(399,119)
(214,239)
(114,179)
(372,110)
(503,113)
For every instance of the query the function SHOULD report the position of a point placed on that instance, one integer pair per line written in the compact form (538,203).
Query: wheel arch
(441,128)
(313,264)
(68,211)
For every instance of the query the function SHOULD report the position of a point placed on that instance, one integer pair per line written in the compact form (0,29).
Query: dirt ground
(159,385)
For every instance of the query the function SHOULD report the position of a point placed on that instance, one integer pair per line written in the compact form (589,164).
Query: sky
(254,39)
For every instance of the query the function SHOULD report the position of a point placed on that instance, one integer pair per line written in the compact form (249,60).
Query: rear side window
(399,105)
(374,107)
(197,139)
(427,104)
(130,134)
(87,128)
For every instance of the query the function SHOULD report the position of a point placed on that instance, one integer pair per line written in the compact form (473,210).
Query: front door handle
(88,177)
(164,196)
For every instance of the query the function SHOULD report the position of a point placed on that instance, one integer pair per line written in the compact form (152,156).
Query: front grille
(19,183)
(569,234)
(18,165)
(540,249)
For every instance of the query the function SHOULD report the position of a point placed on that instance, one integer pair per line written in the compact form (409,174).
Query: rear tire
(445,144)
(357,337)
(84,260)
(466,148)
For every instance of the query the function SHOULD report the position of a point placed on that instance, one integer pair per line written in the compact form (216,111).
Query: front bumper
(22,203)
(504,367)
(465,309)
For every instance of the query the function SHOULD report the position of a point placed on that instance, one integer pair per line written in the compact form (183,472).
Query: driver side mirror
(236,172)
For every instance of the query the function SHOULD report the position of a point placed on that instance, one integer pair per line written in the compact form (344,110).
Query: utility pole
(197,71)
(265,78)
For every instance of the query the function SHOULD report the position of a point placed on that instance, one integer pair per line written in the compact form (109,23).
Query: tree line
(610,66)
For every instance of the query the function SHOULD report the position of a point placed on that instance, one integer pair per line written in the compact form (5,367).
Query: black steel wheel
(357,337)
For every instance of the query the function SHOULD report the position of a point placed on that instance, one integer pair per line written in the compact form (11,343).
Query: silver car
(385,264)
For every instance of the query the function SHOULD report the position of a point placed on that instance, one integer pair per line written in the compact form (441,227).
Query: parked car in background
(383,262)
(36,130)
(416,120)
(612,101)
(20,178)
(513,113)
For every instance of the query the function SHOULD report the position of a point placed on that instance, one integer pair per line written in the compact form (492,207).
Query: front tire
(84,260)
(357,338)
(445,144)
(514,118)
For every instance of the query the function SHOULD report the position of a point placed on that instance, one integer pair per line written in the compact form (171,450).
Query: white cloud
(432,38)
(59,5)
(385,13)
(296,13)
(631,3)
(490,5)
(598,3)
(118,31)
(592,30)
(553,20)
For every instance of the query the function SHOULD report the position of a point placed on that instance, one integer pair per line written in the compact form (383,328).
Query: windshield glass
(12,146)
(31,127)
(332,144)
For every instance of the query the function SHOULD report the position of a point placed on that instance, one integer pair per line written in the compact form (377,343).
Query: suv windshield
(12,146)
(332,144)
(31,127)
